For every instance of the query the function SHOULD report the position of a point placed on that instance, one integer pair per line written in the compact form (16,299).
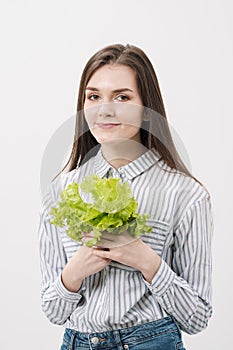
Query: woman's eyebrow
(116,90)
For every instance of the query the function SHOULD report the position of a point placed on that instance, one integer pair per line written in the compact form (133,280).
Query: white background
(44,47)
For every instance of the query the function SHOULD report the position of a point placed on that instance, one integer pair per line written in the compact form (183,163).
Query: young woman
(143,294)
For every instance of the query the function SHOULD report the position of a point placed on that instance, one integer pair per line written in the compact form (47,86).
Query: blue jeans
(157,335)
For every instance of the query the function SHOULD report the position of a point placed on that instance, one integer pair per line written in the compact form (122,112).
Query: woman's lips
(107,125)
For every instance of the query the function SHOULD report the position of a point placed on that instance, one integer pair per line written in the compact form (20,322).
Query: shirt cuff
(162,280)
(65,294)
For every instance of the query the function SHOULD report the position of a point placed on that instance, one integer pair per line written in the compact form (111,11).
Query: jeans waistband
(131,334)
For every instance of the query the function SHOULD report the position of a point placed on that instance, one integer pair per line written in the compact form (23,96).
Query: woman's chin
(102,139)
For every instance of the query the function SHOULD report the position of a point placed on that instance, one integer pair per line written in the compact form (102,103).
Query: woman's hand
(82,264)
(136,254)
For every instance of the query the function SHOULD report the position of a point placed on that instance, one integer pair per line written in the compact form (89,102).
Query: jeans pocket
(162,341)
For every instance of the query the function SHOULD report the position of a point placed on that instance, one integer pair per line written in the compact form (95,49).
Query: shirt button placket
(121,173)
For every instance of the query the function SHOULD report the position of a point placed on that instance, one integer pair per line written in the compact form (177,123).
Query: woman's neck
(121,152)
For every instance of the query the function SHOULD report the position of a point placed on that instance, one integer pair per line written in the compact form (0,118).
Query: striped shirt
(118,296)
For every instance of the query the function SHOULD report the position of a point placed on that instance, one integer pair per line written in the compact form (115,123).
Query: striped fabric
(118,296)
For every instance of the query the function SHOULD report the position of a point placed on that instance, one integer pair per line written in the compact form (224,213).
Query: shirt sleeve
(57,302)
(184,289)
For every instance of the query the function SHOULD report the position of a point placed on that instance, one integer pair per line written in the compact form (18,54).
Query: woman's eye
(93,97)
(122,98)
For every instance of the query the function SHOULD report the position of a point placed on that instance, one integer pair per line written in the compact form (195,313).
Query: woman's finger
(102,253)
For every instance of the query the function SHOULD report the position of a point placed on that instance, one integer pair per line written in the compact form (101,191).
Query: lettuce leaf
(114,209)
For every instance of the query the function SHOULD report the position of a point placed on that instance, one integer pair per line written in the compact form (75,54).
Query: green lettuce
(113,210)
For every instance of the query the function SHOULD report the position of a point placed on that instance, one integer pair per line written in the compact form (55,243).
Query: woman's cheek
(89,119)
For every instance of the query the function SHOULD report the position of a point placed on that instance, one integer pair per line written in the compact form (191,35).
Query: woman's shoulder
(186,195)
(183,184)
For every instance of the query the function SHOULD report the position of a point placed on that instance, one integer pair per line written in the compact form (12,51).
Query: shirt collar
(131,170)
(101,165)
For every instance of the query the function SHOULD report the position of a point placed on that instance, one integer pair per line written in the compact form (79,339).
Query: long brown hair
(155,132)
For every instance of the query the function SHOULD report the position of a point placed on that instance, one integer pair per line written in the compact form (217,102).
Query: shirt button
(126,346)
(95,340)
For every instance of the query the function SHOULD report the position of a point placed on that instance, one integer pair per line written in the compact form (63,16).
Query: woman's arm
(184,289)
(62,281)
(57,302)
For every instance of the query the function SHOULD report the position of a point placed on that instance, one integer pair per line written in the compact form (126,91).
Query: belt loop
(89,340)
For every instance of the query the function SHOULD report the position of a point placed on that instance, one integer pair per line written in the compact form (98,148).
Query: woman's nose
(106,110)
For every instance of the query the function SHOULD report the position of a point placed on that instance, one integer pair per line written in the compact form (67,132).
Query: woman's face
(113,106)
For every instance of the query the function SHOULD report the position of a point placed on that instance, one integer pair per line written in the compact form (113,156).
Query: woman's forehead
(113,76)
